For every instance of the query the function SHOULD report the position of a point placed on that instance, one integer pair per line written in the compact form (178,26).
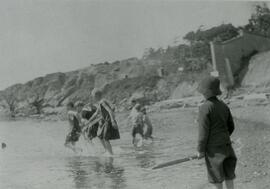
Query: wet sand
(251,141)
(36,158)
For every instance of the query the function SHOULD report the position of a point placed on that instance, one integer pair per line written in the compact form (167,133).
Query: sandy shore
(251,143)
(253,146)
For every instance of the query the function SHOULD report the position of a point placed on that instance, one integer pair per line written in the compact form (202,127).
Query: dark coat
(215,124)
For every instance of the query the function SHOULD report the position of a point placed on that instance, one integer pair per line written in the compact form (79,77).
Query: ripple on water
(36,158)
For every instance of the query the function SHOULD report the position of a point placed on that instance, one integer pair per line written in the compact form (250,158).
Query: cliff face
(119,81)
(257,73)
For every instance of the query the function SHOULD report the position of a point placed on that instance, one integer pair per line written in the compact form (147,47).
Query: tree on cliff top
(10,102)
(259,22)
(222,32)
(37,103)
(197,54)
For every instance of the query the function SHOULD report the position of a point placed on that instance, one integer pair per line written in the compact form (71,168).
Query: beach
(35,156)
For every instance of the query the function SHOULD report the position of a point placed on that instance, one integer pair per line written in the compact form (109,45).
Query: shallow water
(36,158)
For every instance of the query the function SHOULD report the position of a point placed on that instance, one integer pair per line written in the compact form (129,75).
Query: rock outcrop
(119,81)
(258,71)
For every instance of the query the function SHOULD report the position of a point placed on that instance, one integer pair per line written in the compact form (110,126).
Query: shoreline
(251,141)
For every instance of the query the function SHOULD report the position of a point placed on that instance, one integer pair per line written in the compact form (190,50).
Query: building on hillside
(124,76)
(230,57)
(160,72)
(180,69)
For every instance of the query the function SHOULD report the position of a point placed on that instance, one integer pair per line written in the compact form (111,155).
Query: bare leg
(133,141)
(218,185)
(68,145)
(72,147)
(133,133)
(103,144)
(140,142)
(229,184)
(88,141)
(108,146)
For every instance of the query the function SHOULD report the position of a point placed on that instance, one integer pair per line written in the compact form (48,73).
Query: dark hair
(96,93)
(70,104)
(138,107)
(88,113)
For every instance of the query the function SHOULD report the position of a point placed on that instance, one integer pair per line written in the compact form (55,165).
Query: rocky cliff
(119,81)
(257,73)
(150,80)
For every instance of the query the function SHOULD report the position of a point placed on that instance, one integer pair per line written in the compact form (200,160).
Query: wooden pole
(170,163)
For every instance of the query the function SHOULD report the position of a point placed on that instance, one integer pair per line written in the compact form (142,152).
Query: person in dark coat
(215,127)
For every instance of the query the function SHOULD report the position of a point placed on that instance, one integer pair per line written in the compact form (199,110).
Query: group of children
(139,122)
(99,121)
(215,127)
(92,121)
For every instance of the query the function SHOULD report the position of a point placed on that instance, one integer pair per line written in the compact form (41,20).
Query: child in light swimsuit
(147,125)
(135,119)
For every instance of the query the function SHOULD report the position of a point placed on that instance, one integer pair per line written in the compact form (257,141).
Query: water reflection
(145,156)
(96,172)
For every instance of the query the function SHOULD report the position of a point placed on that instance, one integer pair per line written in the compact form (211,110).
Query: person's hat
(209,87)
(138,107)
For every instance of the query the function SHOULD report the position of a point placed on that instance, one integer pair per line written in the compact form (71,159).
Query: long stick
(170,163)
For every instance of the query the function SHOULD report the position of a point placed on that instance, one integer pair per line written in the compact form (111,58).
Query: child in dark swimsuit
(74,127)
(87,112)
(136,121)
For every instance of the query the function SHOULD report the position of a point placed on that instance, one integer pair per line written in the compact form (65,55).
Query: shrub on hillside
(124,88)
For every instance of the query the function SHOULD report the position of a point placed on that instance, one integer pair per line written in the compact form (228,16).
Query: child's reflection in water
(99,172)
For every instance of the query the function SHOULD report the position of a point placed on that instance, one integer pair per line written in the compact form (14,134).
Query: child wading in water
(147,125)
(90,131)
(136,121)
(74,128)
(79,107)
(140,122)
(215,127)
(107,125)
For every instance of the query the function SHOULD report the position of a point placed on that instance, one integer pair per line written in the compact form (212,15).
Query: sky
(45,36)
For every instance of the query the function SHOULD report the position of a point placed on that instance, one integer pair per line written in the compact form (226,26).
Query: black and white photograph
(134,94)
